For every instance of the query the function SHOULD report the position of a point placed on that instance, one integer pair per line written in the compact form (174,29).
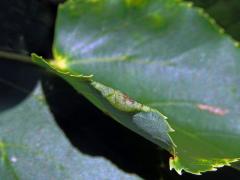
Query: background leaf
(31,141)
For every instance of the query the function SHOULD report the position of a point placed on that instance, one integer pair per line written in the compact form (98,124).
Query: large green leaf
(32,147)
(170,59)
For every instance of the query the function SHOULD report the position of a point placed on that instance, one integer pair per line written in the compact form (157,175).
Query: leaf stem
(15,57)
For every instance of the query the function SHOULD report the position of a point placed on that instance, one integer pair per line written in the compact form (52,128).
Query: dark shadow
(17,80)
(26,26)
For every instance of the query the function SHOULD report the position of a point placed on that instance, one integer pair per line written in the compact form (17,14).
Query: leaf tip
(174,164)
(198,166)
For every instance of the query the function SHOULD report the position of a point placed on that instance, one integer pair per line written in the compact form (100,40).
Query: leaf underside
(140,61)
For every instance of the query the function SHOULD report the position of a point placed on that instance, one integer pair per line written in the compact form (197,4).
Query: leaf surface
(163,55)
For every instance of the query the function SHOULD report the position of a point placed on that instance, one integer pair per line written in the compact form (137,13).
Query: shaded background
(27,26)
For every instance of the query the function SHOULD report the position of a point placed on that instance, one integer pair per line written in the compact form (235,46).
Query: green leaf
(32,147)
(167,57)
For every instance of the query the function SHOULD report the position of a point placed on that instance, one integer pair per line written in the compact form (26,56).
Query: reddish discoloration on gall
(212,109)
(127,99)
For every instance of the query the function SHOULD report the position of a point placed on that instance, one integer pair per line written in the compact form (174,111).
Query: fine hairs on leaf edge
(56,68)
(201,12)
(213,164)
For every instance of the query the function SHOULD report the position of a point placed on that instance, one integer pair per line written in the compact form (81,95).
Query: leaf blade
(165,55)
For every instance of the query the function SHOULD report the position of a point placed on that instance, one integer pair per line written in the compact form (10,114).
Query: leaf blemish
(127,99)
(120,100)
(212,109)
